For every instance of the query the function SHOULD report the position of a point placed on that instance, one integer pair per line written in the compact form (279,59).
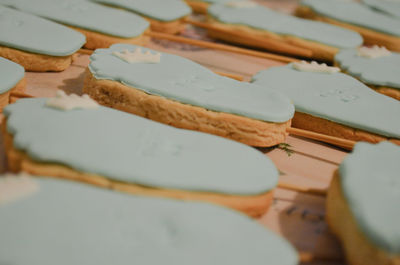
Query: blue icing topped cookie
(30,33)
(371,186)
(180,79)
(263,18)
(391,7)
(355,13)
(10,74)
(382,71)
(336,97)
(163,10)
(131,149)
(66,223)
(86,15)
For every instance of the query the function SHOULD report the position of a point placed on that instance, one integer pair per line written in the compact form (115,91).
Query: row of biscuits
(249,23)
(357,218)
(230,108)
(39,145)
(29,142)
(30,44)
(127,27)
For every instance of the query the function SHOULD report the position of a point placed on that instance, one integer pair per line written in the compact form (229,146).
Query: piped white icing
(373,52)
(14,187)
(241,4)
(137,56)
(63,101)
(315,67)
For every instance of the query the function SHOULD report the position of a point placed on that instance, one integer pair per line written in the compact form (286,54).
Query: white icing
(68,102)
(241,4)
(14,187)
(137,56)
(315,67)
(373,52)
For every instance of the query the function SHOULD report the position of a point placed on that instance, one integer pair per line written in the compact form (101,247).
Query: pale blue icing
(30,33)
(180,79)
(382,71)
(355,13)
(163,10)
(67,223)
(336,97)
(371,186)
(132,149)
(387,6)
(10,74)
(263,18)
(86,15)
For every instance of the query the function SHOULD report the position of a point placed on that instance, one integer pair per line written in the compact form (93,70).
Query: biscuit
(164,15)
(333,103)
(375,66)
(148,159)
(214,104)
(370,36)
(36,62)
(367,236)
(86,222)
(44,51)
(261,27)
(102,26)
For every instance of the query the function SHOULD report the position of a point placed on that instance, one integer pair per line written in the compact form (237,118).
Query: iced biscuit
(72,137)
(333,103)
(25,39)
(164,15)
(176,91)
(362,208)
(248,23)
(102,26)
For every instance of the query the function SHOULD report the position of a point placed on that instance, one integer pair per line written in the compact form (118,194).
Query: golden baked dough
(323,126)
(359,250)
(246,130)
(172,27)
(36,62)
(96,40)
(254,37)
(18,161)
(198,6)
